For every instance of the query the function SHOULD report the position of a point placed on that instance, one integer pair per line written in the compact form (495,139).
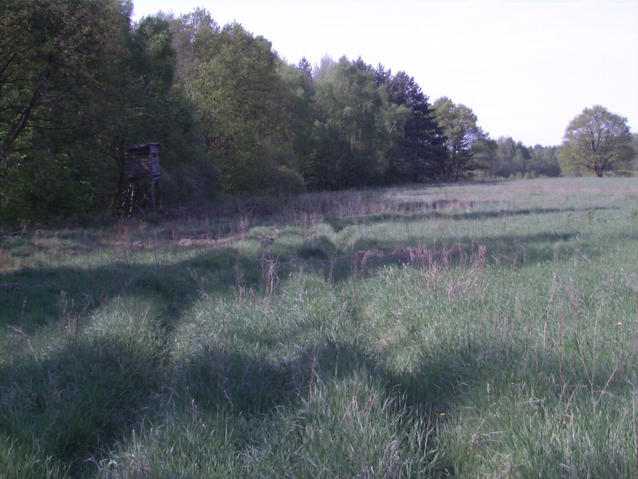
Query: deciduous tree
(464,139)
(351,128)
(60,75)
(597,141)
(232,78)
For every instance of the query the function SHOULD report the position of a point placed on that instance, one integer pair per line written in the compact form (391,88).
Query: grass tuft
(478,330)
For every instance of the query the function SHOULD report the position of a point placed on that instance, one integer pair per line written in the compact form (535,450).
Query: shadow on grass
(46,295)
(445,379)
(413,211)
(73,405)
(76,405)
(49,295)
(508,251)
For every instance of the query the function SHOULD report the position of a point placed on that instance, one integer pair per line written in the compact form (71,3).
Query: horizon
(496,61)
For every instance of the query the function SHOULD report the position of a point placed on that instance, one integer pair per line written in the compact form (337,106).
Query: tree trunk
(26,112)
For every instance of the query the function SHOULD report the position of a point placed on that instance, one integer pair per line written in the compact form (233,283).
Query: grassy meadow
(483,330)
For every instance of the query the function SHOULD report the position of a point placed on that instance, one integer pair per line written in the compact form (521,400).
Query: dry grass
(479,330)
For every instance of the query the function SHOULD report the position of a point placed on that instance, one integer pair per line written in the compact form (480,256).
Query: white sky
(526,68)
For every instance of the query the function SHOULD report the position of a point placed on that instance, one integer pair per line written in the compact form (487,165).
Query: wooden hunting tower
(142,173)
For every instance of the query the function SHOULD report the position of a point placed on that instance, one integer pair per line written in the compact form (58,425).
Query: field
(482,330)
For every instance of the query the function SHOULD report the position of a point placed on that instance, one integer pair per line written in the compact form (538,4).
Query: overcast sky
(526,68)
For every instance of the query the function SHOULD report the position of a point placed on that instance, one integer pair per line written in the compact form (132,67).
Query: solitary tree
(596,140)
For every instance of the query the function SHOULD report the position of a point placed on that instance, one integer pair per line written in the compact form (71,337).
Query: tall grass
(485,330)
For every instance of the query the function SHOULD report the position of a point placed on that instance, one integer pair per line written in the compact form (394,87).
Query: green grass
(468,331)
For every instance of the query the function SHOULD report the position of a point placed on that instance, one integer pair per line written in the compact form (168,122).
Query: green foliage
(352,124)
(61,65)
(371,128)
(544,162)
(596,141)
(417,150)
(162,113)
(513,158)
(40,187)
(465,140)
(242,104)
(634,145)
(80,83)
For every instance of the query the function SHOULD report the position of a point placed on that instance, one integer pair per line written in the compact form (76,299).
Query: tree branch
(26,112)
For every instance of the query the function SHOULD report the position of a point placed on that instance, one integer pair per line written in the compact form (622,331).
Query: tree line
(79,82)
